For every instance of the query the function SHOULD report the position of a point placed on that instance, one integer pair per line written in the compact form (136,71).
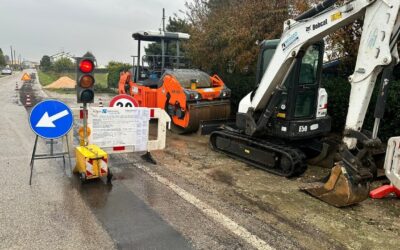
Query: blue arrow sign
(51,119)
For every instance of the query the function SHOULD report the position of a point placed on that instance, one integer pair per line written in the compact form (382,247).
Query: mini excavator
(189,96)
(281,119)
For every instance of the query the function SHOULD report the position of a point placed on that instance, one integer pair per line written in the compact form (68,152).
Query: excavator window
(307,88)
(309,66)
(266,59)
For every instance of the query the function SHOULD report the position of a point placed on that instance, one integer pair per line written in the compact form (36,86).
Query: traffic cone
(16,87)
(28,102)
(100,103)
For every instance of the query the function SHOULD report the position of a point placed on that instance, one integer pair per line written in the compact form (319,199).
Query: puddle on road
(129,221)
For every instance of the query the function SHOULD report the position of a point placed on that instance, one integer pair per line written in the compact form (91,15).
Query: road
(48,214)
(193,198)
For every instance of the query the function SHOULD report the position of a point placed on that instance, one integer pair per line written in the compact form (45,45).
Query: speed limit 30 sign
(123,101)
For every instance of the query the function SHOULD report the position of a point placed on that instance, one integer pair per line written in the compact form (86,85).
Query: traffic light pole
(85,125)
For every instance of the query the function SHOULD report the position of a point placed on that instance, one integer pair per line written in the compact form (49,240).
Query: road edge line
(211,212)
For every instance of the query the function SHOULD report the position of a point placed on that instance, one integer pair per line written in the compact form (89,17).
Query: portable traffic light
(85,79)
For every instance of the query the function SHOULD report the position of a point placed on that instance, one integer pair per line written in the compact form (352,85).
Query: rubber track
(296,156)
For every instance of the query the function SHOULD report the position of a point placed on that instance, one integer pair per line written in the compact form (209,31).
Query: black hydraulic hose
(317,9)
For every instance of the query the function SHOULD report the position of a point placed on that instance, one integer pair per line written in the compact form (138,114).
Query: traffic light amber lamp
(86,81)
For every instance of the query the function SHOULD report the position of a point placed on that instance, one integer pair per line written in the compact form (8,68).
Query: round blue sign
(51,119)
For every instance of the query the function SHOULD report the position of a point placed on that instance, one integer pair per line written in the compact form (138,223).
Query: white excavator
(279,121)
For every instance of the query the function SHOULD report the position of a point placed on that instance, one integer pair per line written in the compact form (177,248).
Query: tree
(45,63)
(2,59)
(175,24)
(225,32)
(7,59)
(114,70)
(63,64)
(224,37)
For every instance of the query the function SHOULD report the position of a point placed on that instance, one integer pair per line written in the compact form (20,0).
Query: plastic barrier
(392,161)
(392,171)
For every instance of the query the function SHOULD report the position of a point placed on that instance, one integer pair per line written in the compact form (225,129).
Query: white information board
(119,127)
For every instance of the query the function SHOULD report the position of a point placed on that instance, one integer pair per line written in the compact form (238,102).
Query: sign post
(50,119)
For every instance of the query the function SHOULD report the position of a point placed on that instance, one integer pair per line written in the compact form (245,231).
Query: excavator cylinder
(317,9)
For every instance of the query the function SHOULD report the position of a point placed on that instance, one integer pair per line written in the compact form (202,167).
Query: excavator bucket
(339,190)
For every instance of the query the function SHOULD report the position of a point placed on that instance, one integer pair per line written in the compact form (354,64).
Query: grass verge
(49,77)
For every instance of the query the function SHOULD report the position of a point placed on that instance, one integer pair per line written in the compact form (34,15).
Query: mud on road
(256,198)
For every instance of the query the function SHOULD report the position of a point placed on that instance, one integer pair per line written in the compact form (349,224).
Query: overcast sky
(46,27)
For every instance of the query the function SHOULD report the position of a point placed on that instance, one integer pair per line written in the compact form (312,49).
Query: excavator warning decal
(336,16)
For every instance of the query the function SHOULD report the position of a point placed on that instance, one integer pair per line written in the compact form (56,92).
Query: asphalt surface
(49,214)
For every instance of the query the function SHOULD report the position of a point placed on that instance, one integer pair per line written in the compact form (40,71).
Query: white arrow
(47,121)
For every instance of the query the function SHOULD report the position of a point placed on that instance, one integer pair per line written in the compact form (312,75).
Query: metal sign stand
(52,155)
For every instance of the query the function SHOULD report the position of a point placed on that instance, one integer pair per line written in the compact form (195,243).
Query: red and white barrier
(392,170)
(164,122)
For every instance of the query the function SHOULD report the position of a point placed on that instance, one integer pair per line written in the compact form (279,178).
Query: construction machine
(189,96)
(279,122)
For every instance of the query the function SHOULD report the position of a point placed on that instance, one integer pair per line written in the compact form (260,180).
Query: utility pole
(163,19)
(12,58)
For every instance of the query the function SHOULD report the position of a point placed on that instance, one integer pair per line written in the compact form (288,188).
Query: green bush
(338,101)
(240,85)
(339,92)
(338,89)
(63,64)
(114,70)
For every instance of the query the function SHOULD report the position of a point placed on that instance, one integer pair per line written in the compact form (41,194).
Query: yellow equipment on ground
(92,163)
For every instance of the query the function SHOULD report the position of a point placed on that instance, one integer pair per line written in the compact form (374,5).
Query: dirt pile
(62,83)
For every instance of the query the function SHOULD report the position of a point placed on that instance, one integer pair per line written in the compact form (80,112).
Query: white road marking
(218,217)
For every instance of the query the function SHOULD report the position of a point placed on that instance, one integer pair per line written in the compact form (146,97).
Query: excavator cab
(280,137)
(299,105)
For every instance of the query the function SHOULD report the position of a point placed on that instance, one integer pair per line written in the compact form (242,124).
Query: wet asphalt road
(129,221)
(48,214)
